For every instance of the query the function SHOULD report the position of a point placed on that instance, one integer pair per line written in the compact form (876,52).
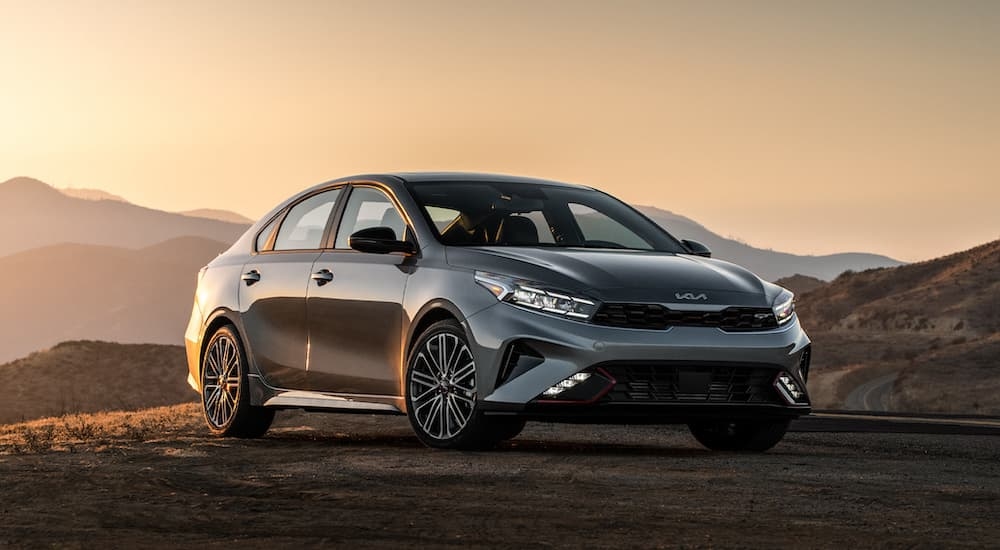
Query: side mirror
(697,248)
(379,240)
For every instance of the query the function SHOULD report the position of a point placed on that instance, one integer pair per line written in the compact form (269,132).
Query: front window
(523,214)
(369,207)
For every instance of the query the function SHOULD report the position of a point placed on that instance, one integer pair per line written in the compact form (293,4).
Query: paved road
(873,395)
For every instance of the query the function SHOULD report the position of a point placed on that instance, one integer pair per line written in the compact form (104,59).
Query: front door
(355,317)
(273,288)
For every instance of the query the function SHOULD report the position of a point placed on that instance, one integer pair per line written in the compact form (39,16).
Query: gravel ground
(364,481)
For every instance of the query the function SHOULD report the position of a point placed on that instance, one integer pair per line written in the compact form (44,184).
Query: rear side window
(305,223)
(265,235)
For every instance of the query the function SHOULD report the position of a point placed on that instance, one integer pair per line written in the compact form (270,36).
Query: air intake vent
(673,383)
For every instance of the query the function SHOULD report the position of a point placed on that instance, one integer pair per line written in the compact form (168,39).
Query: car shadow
(515,446)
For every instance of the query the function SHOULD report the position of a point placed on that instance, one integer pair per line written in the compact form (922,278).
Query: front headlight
(532,296)
(784,307)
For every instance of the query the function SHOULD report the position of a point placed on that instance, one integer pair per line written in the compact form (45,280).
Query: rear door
(355,318)
(273,288)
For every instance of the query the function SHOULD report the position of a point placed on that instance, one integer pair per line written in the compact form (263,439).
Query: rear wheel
(441,393)
(727,435)
(225,397)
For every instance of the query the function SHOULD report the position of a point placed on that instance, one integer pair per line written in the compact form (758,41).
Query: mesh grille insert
(671,383)
(657,317)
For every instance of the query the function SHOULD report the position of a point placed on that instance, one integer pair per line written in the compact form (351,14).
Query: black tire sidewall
(246,420)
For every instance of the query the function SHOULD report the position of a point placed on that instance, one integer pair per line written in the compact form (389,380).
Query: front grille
(657,317)
(679,383)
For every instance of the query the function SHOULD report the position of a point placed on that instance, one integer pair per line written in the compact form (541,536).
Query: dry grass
(101,430)
(86,376)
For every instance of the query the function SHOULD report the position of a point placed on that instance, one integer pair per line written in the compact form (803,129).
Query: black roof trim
(439,177)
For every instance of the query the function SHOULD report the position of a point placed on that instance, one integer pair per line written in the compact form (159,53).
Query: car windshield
(524,214)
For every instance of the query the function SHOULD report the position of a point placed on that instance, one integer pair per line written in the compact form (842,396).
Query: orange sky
(803,127)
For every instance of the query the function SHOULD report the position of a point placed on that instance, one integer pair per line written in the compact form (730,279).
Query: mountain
(91,194)
(768,264)
(216,214)
(924,336)
(84,376)
(41,215)
(33,214)
(82,291)
(800,284)
(955,294)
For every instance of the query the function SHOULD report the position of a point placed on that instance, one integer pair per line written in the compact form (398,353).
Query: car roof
(439,177)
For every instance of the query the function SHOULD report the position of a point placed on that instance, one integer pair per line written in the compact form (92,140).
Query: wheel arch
(218,319)
(432,312)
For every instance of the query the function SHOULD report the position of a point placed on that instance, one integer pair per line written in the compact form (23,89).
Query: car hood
(623,275)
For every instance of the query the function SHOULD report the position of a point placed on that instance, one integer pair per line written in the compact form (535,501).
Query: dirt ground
(365,481)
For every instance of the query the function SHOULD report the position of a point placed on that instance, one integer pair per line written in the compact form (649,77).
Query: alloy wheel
(221,385)
(443,386)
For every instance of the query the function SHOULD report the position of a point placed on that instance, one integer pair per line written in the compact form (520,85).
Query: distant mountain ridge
(91,194)
(84,291)
(768,264)
(37,215)
(217,214)
(41,215)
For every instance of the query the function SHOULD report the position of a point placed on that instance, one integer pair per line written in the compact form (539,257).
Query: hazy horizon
(806,128)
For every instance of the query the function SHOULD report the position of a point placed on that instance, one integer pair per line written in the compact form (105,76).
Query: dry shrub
(65,433)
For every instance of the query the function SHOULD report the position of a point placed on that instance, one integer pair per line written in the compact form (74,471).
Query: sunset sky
(806,127)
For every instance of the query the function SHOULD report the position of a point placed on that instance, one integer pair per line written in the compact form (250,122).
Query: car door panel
(355,319)
(355,323)
(273,310)
(273,289)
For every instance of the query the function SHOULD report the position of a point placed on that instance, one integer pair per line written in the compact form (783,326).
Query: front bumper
(637,375)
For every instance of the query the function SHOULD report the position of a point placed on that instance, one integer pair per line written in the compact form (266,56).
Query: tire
(748,436)
(226,403)
(442,402)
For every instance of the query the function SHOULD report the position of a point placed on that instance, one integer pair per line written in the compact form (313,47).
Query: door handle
(250,277)
(322,277)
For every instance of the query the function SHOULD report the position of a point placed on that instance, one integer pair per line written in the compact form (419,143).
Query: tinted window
(303,227)
(369,207)
(526,214)
(265,234)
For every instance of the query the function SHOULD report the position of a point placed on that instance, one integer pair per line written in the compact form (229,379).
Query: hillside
(768,264)
(78,291)
(930,331)
(86,376)
(955,294)
(800,284)
(35,215)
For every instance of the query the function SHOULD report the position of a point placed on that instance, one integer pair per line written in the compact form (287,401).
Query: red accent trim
(600,394)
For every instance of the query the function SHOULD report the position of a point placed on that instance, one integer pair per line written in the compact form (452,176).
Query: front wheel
(441,393)
(726,435)
(225,397)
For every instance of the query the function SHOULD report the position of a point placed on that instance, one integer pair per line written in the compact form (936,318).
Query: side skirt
(263,395)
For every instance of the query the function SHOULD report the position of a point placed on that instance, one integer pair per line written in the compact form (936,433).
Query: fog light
(789,388)
(566,384)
